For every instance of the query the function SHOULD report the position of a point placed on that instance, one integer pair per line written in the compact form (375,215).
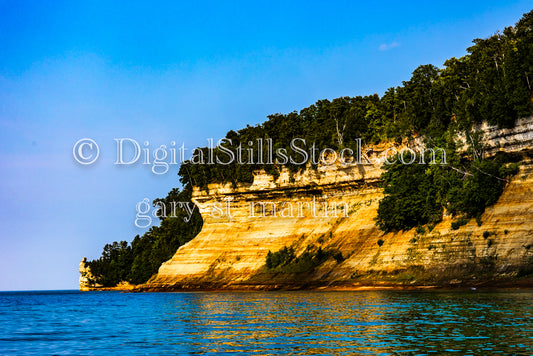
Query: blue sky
(176,72)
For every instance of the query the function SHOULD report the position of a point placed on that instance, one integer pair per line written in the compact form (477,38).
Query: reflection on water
(370,322)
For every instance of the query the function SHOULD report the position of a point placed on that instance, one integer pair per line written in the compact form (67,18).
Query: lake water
(298,323)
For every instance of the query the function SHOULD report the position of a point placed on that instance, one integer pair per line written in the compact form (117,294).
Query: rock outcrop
(334,207)
(86,277)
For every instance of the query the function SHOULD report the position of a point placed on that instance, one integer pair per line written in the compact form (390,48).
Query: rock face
(86,276)
(335,208)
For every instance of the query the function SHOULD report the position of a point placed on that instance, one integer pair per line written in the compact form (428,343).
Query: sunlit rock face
(334,207)
(86,276)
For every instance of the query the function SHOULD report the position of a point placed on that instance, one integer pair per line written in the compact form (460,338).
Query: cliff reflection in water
(364,322)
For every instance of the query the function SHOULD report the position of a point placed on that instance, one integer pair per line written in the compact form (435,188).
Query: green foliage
(482,187)
(417,194)
(285,259)
(137,262)
(410,197)
(459,222)
(420,230)
(280,258)
(114,264)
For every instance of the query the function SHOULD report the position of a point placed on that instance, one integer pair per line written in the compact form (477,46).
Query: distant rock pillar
(86,277)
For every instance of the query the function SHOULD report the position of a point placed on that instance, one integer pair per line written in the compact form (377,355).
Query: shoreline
(522,284)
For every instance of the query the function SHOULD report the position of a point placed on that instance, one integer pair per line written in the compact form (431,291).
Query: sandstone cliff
(242,225)
(86,276)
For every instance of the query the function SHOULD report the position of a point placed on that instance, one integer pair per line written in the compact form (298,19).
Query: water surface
(266,323)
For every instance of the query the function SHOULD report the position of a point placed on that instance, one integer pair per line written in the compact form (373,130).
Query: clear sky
(177,72)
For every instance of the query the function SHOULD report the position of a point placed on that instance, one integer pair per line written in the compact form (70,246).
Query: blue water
(298,323)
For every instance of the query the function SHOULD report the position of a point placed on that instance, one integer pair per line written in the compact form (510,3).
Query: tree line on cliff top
(492,83)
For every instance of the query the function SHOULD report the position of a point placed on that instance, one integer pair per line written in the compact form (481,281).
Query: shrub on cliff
(418,194)
(410,198)
(482,186)
(279,258)
(286,261)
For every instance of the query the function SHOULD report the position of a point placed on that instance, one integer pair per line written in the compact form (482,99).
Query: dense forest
(492,83)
